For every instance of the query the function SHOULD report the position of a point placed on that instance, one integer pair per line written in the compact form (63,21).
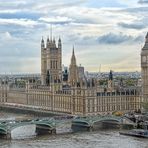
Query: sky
(109,33)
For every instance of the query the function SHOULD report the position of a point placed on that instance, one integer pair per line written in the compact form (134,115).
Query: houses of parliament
(69,91)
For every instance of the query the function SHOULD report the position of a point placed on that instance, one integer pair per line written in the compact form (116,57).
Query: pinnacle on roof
(54,40)
(146,35)
(59,39)
(47,38)
(42,40)
(73,51)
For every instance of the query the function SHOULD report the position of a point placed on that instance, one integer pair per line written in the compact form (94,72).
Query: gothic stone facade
(51,62)
(80,101)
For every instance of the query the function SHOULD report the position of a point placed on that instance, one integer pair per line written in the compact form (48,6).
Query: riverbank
(23,109)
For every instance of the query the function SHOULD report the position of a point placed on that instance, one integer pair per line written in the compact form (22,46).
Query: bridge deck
(92,119)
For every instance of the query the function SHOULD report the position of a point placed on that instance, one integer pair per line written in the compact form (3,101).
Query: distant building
(81,72)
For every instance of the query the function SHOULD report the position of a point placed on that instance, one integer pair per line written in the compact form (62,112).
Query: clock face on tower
(143,58)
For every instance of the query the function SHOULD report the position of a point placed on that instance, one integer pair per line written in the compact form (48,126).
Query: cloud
(10,64)
(19,15)
(56,20)
(89,25)
(135,25)
(113,38)
(143,1)
(21,22)
(136,10)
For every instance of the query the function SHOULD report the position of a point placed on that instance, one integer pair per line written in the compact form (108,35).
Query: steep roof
(146,43)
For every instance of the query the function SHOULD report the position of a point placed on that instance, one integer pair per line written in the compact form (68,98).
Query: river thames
(98,139)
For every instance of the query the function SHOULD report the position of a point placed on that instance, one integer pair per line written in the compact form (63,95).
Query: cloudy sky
(108,32)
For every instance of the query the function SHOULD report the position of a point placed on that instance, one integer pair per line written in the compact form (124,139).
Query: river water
(98,139)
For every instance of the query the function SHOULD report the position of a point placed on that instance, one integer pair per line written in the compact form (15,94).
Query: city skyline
(107,33)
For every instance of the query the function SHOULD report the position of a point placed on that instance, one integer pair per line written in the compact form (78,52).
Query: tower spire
(73,70)
(73,51)
(51,32)
(73,58)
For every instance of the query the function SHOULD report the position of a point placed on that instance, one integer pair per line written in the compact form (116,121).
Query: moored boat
(136,133)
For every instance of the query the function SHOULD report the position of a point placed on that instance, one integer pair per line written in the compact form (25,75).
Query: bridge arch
(27,127)
(108,119)
(115,121)
(3,131)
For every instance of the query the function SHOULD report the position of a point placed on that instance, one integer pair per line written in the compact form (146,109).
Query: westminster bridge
(49,125)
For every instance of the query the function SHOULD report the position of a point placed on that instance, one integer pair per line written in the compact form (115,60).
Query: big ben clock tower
(144,69)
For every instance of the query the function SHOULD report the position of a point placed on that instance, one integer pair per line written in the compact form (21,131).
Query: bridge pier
(42,130)
(8,136)
(5,136)
(53,131)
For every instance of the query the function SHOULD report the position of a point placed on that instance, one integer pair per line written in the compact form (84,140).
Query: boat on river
(136,133)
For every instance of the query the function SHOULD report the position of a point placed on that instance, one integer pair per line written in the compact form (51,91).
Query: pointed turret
(146,35)
(59,40)
(59,43)
(54,40)
(146,43)
(48,42)
(47,38)
(42,43)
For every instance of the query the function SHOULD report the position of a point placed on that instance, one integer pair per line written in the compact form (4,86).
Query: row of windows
(53,64)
